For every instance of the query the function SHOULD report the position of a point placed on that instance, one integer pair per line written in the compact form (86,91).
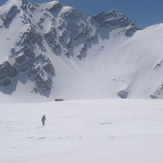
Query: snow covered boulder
(122,94)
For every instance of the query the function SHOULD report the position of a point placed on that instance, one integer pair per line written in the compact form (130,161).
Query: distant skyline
(143,13)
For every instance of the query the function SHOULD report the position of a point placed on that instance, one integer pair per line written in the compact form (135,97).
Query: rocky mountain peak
(38,32)
(113,20)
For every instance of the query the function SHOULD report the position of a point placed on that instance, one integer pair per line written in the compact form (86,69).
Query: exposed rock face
(9,16)
(113,20)
(122,94)
(7,71)
(42,75)
(158,93)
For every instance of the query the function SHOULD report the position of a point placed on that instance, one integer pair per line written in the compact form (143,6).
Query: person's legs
(43,122)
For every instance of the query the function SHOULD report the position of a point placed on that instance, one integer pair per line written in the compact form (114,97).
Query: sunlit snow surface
(83,131)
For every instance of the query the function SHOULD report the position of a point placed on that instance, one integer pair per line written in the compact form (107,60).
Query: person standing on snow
(43,120)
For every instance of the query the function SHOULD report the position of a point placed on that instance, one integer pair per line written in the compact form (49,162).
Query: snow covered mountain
(53,51)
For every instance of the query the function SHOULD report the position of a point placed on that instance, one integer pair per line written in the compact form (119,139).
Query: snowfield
(82,131)
(50,51)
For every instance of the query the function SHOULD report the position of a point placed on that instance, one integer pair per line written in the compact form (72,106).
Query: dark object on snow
(43,120)
(122,94)
(59,99)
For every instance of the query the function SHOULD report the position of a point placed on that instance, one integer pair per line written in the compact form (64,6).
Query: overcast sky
(143,13)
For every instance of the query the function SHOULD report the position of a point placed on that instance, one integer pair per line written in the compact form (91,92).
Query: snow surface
(82,131)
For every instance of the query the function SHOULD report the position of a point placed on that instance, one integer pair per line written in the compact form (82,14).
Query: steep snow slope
(130,64)
(134,64)
(53,51)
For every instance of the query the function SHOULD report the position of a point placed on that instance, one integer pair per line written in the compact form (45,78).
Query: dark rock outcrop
(122,94)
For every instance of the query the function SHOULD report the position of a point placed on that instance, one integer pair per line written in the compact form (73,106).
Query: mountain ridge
(55,51)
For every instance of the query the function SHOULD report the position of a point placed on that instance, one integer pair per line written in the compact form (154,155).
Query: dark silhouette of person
(43,120)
